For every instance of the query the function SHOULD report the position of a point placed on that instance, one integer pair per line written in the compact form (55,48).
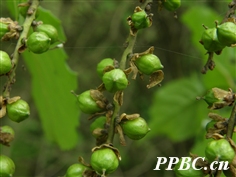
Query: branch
(15,57)
(231,11)
(231,122)
(131,42)
(129,50)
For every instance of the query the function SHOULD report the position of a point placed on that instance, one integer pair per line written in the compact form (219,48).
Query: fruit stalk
(115,115)
(231,11)
(15,57)
(231,122)
(131,42)
(129,50)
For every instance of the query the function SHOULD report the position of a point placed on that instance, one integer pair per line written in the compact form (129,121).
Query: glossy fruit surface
(7,166)
(226,33)
(171,5)
(103,64)
(50,30)
(18,111)
(219,149)
(87,104)
(38,42)
(115,80)
(190,172)
(76,170)
(149,63)
(210,40)
(140,20)
(135,129)
(104,161)
(5,63)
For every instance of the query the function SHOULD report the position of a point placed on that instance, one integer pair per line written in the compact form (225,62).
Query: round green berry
(38,42)
(115,80)
(104,161)
(5,63)
(7,166)
(50,30)
(18,110)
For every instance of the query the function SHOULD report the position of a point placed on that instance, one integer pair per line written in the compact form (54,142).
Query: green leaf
(52,81)
(175,112)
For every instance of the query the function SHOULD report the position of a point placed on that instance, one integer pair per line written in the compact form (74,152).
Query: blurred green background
(98,29)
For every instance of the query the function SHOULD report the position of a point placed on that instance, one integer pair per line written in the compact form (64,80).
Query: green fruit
(18,111)
(38,42)
(210,124)
(190,172)
(135,129)
(3,29)
(87,104)
(76,170)
(7,166)
(226,33)
(115,80)
(7,129)
(149,63)
(171,5)
(210,40)
(219,149)
(5,63)
(140,20)
(216,98)
(98,123)
(103,64)
(50,30)
(104,161)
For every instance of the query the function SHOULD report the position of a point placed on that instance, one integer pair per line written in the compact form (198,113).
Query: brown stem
(231,11)
(231,122)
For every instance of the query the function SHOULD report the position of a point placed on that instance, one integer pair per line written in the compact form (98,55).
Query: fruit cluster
(222,147)
(107,121)
(216,39)
(42,38)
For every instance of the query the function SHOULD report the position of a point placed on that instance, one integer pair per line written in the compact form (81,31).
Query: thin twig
(231,122)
